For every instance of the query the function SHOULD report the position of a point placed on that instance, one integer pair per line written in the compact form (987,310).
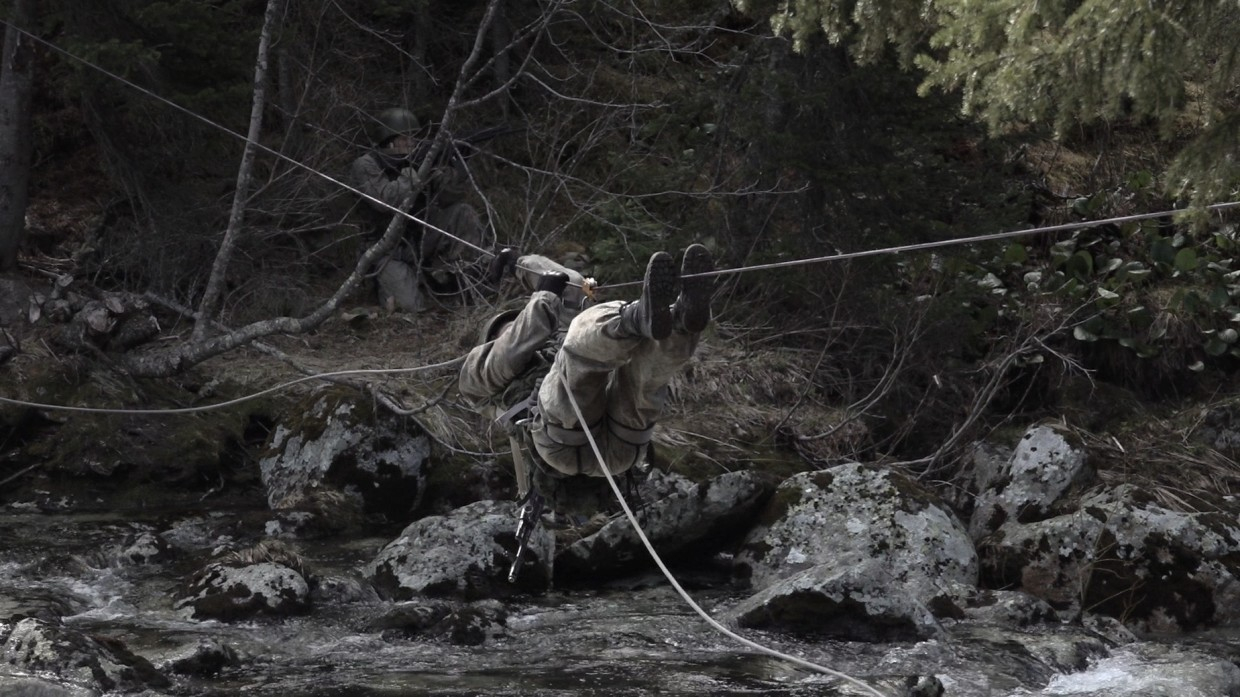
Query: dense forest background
(770,131)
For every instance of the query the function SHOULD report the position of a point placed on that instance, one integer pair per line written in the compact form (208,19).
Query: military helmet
(391,123)
(496,324)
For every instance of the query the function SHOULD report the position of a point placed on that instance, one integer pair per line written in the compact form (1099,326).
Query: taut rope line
(717,272)
(939,243)
(615,489)
(235,134)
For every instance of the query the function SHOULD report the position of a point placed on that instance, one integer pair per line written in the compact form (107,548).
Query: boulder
(268,578)
(852,511)
(465,554)
(1043,466)
(690,522)
(341,443)
(1125,556)
(831,547)
(851,599)
(458,622)
(92,662)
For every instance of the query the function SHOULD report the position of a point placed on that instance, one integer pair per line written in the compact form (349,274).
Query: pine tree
(1061,63)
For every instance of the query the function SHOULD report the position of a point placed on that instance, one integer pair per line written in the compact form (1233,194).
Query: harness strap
(631,436)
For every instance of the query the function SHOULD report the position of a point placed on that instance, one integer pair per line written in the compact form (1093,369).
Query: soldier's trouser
(449,257)
(489,368)
(398,283)
(620,383)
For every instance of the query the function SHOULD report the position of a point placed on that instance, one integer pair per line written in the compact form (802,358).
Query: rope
(615,488)
(235,134)
(940,243)
(231,402)
(717,272)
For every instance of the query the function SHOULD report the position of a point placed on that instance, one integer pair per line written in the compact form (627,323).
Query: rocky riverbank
(352,510)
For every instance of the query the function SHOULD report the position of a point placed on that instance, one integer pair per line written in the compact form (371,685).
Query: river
(637,639)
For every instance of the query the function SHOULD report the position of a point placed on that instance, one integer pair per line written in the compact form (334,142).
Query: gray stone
(224,592)
(1044,465)
(1124,556)
(466,553)
(342,444)
(850,512)
(85,661)
(692,520)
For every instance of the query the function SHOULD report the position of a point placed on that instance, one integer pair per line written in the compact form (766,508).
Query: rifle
(455,146)
(527,519)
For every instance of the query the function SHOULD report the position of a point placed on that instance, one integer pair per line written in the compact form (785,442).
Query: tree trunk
(219,270)
(15,132)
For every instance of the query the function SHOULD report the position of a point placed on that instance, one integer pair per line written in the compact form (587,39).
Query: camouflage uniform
(618,378)
(440,258)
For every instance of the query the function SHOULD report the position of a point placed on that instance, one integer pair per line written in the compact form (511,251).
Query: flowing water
(639,640)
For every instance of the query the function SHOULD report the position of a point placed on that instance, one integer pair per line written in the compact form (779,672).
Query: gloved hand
(504,262)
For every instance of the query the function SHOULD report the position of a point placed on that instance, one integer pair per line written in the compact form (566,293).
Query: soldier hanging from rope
(616,358)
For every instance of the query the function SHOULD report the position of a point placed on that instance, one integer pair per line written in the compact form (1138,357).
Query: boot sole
(693,305)
(662,284)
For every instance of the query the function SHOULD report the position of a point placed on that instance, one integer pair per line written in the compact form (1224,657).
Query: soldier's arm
(371,179)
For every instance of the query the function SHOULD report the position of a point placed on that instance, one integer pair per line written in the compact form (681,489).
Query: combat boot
(651,316)
(691,313)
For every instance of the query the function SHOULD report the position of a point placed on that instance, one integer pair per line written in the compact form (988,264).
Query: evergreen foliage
(1060,64)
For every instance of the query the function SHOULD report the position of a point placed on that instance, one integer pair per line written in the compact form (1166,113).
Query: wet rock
(206,658)
(692,522)
(93,662)
(466,624)
(852,511)
(1125,556)
(28,686)
(341,443)
(266,579)
(996,607)
(849,600)
(146,548)
(833,544)
(466,553)
(1044,465)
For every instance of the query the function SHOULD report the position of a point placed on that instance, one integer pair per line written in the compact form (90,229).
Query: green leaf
(1216,346)
(1015,254)
(1162,252)
(1140,180)
(1083,334)
(1186,260)
(1081,265)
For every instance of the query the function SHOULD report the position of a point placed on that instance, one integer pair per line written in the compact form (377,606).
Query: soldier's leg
(638,391)
(398,286)
(492,366)
(600,341)
(450,254)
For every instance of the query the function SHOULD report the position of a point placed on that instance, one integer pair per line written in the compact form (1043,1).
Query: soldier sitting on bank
(425,258)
